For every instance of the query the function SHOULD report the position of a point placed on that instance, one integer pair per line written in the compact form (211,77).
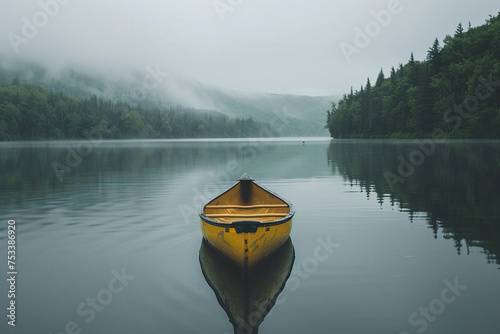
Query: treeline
(30,112)
(453,93)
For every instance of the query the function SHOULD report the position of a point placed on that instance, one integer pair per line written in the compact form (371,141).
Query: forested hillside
(453,93)
(302,115)
(30,112)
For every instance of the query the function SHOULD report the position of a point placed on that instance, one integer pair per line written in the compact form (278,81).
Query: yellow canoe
(247,298)
(247,222)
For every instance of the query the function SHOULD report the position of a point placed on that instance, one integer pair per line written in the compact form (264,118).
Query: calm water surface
(108,238)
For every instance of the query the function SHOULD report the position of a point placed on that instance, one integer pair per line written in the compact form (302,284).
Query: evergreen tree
(380,78)
(434,56)
(393,78)
(459,32)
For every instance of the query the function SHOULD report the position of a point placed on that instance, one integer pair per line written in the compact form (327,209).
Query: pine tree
(460,31)
(413,71)
(393,78)
(380,79)
(368,85)
(434,57)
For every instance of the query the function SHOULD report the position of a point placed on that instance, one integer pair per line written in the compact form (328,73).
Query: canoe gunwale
(235,223)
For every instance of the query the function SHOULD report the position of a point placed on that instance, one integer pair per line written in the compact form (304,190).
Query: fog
(316,47)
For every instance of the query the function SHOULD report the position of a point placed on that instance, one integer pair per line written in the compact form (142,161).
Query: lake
(395,237)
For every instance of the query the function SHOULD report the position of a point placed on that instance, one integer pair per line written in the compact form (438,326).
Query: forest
(453,93)
(31,112)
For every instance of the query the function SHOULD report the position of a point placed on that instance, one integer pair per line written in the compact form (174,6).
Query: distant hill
(32,112)
(154,88)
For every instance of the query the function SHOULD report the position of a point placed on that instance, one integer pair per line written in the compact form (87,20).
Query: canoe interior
(246,201)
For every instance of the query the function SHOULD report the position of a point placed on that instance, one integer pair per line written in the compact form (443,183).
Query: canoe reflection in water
(247,297)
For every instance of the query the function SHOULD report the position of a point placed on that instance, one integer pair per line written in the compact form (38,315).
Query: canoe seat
(247,215)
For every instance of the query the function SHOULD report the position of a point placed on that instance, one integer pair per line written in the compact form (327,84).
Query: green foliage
(292,115)
(30,112)
(422,96)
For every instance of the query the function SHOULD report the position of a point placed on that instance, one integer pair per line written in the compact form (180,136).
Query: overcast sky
(274,46)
